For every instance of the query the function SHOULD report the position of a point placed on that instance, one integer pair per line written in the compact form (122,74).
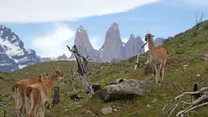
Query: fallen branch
(188,106)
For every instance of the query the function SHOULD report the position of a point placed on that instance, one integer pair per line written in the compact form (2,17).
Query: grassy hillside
(185,49)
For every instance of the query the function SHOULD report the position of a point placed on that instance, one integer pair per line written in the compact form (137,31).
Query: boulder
(128,88)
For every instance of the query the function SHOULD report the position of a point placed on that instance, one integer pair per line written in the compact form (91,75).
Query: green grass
(186,48)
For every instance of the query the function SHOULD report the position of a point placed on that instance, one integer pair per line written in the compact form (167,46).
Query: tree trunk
(56,98)
(82,63)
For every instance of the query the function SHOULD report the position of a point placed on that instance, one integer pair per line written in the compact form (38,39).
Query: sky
(47,26)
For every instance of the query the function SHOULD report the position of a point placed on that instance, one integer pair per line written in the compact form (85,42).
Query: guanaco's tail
(14,86)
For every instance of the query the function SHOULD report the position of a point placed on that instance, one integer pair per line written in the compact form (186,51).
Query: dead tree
(56,98)
(82,64)
(138,57)
(187,105)
(198,19)
(71,78)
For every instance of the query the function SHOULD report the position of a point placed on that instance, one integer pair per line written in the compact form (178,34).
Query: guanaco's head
(149,37)
(43,77)
(57,72)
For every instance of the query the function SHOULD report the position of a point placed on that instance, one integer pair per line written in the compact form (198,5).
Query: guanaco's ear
(153,35)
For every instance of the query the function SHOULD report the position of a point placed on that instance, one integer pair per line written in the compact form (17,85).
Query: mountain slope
(185,49)
(13,54)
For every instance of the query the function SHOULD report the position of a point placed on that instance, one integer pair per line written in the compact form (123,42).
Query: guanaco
(158,59)
(19,89)
(39,94)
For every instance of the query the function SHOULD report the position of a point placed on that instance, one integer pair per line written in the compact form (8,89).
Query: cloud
(53,43)
(202,3)
(27,11)
(96,42)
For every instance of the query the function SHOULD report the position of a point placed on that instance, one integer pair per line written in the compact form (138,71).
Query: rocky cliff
(113,48)
(159,41)
(13,55)
(84,46)
(133,46)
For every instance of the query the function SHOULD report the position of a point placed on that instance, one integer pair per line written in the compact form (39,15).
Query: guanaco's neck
(151,47)
(52,80)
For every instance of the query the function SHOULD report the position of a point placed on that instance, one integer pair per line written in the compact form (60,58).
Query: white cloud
(96,42)
(25,11)
(53,43)
(202,3)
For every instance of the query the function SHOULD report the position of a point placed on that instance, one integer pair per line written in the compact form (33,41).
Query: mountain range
(14,56)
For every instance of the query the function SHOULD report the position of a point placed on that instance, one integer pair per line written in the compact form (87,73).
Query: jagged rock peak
(13,54)
(132,36)
(138,37)
(62,57)
(113,48)
(114,26)
(81,29)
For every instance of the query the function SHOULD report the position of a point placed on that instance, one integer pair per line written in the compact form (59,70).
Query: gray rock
(148,106)
(159,41)
(115,110)
(84,46)
(126,88)
(89,112)
(112,48)
(133,46)
(106,110)
(163,95)
(154,100)
(79,106)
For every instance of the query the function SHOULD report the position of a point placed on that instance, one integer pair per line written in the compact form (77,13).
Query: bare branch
(174,107)
(177,88)
(188,106)
(191,93)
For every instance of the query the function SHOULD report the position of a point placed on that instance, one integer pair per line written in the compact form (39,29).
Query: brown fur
(40,95)
(19,89)
(158,58)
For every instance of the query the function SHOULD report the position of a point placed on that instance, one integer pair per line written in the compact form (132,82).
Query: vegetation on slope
(185,66)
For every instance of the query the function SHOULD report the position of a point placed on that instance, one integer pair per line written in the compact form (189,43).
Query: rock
(96,87)
(154,100)
(115,110)
(62,57)
(133,46)
(148,106)
(112,42)
(198,76)
(106,110)
(76,97)
(162,96)
(79,106)
(127,88)
(159,41)
(89,112)
(205,57)
(84,46)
